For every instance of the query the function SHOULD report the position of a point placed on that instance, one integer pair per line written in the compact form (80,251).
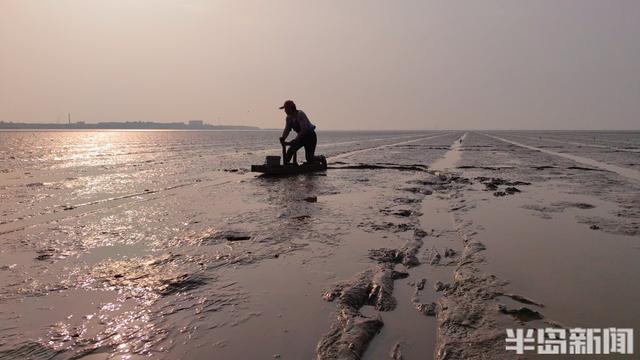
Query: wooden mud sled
(274,167)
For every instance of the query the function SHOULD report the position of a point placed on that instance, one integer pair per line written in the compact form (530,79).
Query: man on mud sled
(306,135)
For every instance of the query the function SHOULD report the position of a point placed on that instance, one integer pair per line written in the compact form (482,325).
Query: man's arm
(286,131)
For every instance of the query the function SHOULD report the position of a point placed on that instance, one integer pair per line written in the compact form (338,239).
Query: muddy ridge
(351,332)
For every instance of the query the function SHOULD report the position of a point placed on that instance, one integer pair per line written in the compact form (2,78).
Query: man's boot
(323,160)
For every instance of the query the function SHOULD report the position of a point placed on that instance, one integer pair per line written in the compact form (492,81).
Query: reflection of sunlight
(104,184)
(108,148)
(123,325)
(91,146)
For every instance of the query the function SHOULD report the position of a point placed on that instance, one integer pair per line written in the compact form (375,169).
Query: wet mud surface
(410,246)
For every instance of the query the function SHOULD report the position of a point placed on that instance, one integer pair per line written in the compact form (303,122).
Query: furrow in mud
(351,331)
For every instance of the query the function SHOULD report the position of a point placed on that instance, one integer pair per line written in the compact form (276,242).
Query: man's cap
(287,103)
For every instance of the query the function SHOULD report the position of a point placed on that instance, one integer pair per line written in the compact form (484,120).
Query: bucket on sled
(272,160)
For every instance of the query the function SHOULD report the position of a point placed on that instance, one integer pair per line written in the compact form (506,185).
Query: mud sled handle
(284,153)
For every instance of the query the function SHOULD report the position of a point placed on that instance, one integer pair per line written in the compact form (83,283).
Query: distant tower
(69,118)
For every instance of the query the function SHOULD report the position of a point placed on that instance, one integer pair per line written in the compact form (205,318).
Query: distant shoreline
(129,125)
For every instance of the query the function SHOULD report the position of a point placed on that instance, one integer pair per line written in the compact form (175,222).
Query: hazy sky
(350,64)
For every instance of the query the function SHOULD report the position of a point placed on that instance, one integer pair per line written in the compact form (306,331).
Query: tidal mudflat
(411,245)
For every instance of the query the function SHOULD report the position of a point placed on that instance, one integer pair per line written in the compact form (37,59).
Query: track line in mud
(466,327)
(625,172)
(78,210)
(365,140)
(343,155)
(406,318)
(323,145)
(440,254)
(581,144)
(451,157)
